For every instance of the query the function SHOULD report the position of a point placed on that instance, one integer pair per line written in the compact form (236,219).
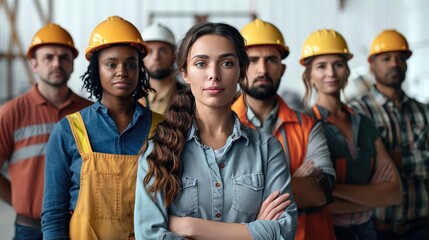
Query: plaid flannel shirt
(404,130)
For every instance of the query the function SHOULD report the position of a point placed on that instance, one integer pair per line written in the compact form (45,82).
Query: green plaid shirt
(405,130)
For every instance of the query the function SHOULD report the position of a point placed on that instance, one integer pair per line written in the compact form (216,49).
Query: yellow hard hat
(322,42)
(259,32)
(51,34)
(389,40)
(115,30)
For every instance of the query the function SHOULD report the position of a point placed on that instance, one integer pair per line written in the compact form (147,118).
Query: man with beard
(160,65)
(26,121)
(403,125)
(260,107)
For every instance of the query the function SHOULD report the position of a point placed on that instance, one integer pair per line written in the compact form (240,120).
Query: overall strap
(79,132)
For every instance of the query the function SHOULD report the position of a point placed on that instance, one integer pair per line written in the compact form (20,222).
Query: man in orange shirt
(26,121)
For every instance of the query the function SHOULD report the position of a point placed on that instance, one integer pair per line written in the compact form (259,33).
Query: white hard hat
(160,33)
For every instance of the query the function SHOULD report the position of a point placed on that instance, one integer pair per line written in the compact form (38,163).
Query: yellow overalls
(105,206)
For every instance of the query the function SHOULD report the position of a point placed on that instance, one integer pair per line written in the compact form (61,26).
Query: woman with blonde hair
(366,176)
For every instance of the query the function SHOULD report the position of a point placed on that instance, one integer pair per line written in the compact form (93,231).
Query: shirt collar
(324,113)
(138,111)
(381,99)
(97,106)
(287,114)
(39,99)
(256,121)
(162,94)
(236,132)
(36,96)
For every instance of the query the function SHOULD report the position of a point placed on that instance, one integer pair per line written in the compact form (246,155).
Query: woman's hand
(273,206)
(178,225)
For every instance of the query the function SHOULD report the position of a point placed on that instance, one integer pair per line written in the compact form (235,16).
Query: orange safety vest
(105,205)
(293,130)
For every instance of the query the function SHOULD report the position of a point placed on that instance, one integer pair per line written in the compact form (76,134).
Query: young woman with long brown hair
(203,175)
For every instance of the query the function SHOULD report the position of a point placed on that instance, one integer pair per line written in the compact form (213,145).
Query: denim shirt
(230,190)
(63,161)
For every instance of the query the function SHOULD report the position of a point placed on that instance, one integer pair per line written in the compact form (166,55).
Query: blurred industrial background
(359,21)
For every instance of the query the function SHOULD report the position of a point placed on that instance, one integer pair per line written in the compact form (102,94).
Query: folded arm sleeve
(277,177)
(150,213)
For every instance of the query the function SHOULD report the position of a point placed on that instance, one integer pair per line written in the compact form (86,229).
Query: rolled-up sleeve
(150,214)
(277,178)
(56,201)
(318,150)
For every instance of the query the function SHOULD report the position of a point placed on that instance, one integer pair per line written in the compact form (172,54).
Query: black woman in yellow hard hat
(92,158)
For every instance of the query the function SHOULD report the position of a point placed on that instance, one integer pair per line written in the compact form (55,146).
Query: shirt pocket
(186,204)
(248,190)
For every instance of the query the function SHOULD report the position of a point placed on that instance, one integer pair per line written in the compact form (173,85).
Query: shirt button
(221,165)
(218,215)
(217,184)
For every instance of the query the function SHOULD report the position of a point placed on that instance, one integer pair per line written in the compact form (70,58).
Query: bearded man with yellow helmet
(303,141)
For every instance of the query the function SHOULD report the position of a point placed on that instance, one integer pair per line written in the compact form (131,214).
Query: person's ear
(185,77)
(33,64)
(283,69)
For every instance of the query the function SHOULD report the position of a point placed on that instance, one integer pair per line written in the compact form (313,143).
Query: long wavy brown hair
(169,137)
